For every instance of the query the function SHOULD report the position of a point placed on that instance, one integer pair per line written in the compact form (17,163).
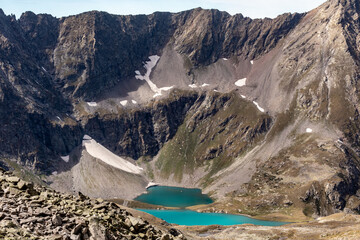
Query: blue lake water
(174,196)
(190,218)
(185,197)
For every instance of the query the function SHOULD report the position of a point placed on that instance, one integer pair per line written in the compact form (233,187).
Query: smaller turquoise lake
(174,196)
(191,218)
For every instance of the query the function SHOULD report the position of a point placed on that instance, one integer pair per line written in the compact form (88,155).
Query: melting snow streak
(149,65)
(260,108)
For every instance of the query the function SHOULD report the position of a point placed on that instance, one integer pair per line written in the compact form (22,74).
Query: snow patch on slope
(166,88)
(134,102)
(240,82)
(309,130)
(205,85)
(260,108)
(87,137)
(149,65)
(100,152)
(92,104)
(193,86)
(124,102)
(65,158)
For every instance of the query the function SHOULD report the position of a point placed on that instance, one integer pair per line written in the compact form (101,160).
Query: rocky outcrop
(35,140)
(338,193)
(207,35)
(142,132)
(30,211)
(217,129)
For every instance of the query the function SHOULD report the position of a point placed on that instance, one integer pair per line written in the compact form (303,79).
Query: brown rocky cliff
(80,60)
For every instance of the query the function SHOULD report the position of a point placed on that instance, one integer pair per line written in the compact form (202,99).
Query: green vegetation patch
(213,134)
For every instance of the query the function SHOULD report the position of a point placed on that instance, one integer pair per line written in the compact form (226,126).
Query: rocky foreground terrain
(29,211)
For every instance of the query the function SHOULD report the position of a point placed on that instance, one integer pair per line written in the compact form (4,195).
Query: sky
(249,8)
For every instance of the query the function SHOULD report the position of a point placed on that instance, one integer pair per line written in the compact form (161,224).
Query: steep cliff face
(76,49)
(206,36)
(142,132)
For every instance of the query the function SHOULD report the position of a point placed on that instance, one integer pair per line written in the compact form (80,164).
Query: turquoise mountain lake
(174,196)
(185,197)
(190,218)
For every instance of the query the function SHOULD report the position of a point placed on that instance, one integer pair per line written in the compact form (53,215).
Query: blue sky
(250,8)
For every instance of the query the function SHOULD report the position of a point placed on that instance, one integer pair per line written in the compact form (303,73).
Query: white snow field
(100,152)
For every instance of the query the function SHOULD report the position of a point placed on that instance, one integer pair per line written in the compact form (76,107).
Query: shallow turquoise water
(174,196)
(184,197)
(190,218)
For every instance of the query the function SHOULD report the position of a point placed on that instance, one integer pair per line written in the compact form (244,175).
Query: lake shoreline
(187,217)
(187,202)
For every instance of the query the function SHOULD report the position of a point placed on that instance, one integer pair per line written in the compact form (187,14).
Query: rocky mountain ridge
(77,56)
(250,110)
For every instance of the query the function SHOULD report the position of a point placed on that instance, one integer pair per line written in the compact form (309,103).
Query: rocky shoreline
(29,211)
